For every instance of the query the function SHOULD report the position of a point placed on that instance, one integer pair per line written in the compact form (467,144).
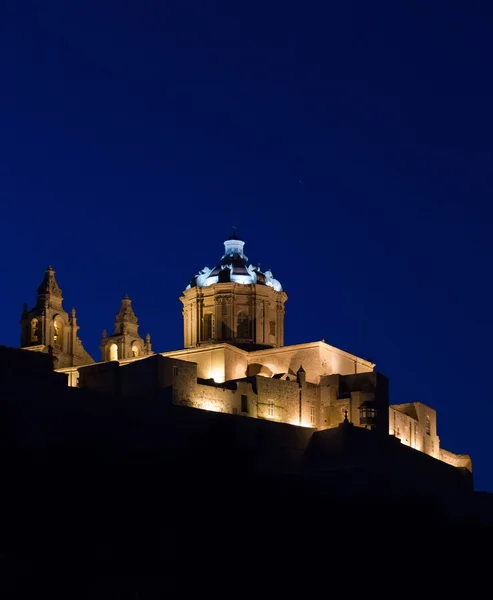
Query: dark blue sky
(349,142)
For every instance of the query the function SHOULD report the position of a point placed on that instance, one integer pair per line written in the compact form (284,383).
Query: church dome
(234,267)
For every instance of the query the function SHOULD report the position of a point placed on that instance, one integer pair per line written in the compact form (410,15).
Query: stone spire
(49,292)
(127,317)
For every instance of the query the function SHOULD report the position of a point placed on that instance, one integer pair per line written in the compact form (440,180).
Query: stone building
(234,360)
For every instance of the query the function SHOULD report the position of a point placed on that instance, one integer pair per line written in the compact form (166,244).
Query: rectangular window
(312,415)
(175,370)
(270,409)
(427,424)
(244,403)
(272,327)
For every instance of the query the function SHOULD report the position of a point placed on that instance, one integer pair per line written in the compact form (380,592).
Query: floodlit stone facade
(234,360)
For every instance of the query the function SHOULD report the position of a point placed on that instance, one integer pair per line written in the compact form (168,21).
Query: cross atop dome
(234,235)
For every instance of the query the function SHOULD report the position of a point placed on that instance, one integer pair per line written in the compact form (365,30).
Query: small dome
(234,267)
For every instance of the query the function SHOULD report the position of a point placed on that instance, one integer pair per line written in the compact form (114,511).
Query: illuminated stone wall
(277,400)
(221,362)
(317,358)
(310,406)
(456,460)
(415,424)
(210,361)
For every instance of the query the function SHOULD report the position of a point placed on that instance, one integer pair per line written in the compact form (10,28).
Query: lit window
(57,332)
(270,409)
(135,351)
(312,415)
(34,330)
(113,352)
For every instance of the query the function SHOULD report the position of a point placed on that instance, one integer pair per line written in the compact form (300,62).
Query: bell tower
(48,328)
(125,342)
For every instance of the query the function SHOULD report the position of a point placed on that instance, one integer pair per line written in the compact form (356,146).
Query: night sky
(348,142)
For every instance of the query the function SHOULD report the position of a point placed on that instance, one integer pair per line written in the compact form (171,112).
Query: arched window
(208,333)
(135,351)
(57,332)
(113,352)
(34,330)
(243,327)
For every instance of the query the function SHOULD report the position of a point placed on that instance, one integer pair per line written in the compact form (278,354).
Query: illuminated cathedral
(233,359)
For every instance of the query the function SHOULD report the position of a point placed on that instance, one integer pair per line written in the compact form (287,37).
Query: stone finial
(148,338)
(49,285)
(126,314)
(104,334)
(73,313)
(346,420)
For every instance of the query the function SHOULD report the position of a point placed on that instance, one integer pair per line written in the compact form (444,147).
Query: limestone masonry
(234,359)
